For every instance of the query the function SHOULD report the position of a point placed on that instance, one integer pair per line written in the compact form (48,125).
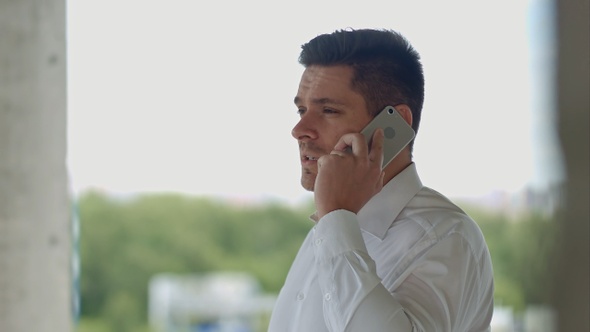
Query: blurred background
(184,178)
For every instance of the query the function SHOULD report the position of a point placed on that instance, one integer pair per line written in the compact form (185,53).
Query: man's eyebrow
(320,101)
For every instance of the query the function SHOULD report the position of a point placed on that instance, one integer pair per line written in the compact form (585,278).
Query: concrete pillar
(35,243)
(573,83)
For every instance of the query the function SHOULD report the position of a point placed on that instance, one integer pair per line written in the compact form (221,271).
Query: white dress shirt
(410,260)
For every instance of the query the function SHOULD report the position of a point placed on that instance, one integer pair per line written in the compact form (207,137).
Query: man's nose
(305,128)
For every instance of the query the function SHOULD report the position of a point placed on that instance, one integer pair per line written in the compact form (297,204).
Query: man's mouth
(310,158)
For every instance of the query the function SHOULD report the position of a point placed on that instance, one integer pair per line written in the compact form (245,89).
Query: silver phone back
(398,132)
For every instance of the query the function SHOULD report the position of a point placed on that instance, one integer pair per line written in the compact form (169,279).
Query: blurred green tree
(124,242)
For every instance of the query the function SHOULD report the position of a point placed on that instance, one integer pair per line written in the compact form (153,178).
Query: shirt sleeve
(354,298)
(439,291)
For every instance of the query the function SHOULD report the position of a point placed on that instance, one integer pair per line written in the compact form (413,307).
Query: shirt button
(327,297)
(300,296)
(318,242)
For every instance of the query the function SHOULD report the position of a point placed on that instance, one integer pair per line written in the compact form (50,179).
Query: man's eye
(300,111)
(329,111)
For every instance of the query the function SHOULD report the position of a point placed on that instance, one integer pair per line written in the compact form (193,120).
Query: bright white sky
(196,97)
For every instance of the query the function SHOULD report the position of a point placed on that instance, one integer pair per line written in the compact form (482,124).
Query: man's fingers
(357,145)
(339,153)
(352,143)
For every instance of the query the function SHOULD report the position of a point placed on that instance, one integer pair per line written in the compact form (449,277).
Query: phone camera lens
(390,111)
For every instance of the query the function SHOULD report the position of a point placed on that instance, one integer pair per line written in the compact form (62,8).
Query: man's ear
(406,113)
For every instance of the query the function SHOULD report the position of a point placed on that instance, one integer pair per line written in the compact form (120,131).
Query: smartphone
(397,132)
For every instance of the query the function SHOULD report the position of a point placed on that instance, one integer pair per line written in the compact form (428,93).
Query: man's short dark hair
(387,69)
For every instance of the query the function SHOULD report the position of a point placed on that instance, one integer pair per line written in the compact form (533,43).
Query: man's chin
(307,186)
(307,181)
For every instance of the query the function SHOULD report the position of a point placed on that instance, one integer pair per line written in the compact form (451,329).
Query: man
(385,253)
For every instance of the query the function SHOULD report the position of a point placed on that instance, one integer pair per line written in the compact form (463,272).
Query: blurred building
(213,302)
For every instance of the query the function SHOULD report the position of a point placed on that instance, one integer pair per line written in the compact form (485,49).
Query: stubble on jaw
(307,179)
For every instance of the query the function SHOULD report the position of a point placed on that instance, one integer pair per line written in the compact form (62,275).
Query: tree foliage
(124,242)
(522,254)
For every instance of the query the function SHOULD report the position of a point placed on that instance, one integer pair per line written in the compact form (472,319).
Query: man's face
(328,108)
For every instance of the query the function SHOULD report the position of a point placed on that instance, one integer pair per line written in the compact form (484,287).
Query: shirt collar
(377,216)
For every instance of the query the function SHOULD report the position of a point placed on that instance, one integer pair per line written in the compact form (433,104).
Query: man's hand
(350,175)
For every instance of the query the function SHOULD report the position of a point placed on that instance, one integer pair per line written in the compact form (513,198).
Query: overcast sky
(196,97)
